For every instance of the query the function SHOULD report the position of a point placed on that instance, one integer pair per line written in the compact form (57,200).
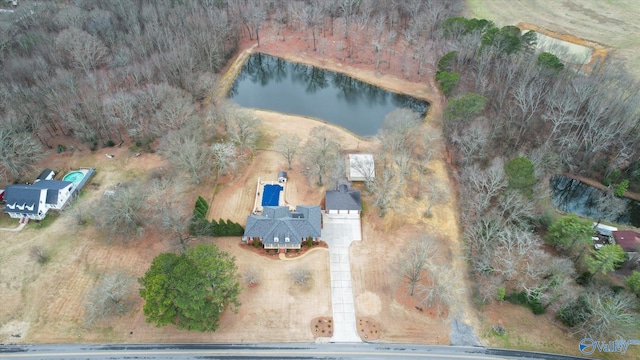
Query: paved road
(339,233)
(263,351)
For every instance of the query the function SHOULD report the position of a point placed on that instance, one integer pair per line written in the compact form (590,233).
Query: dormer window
(275,239)
(286,239)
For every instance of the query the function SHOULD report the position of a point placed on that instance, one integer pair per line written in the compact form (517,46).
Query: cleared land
(613,24)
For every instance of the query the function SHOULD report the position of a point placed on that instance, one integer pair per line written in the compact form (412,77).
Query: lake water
(270,83)
(573,196)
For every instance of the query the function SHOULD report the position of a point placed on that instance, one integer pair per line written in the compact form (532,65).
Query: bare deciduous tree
(611,315)
(168,211)
(224,158)
(301,276)
(412,263)
(186,153)
(384,190)
(82,49)
(251,277)
(486,183)
(120,212)
(435,195)
(309,16)
(18,152)
(108,297)
(287,146)
(397,131)
(320,151)
(244,131)
(40,254)
(443,289)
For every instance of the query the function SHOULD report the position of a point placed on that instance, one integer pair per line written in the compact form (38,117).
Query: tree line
(513,119)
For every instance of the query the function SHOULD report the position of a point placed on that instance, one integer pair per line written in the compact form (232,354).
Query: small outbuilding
(282,177)
(361,167)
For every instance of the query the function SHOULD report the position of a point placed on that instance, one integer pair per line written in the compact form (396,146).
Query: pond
(271,83)
(573,196)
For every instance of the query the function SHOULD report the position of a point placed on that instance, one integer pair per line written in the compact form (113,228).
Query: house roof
(51,184)
(361,166)
(279,222)
(343,199)
(627,239)
(22,195)
(604,229)
(45,175)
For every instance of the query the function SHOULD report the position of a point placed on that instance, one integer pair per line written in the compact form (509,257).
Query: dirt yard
(613,24)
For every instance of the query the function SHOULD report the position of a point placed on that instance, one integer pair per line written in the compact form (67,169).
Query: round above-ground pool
(74,176)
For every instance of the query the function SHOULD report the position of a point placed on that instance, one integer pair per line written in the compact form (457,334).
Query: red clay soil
(273,254)
(412,303)
(368,328)
(322,327)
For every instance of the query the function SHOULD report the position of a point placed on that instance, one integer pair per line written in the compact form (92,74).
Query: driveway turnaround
(338,233)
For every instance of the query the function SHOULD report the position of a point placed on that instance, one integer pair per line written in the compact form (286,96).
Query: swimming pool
(271,195)
(74,176)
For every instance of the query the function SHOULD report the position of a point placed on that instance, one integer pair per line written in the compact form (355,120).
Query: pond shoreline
(273,83)
(601,186)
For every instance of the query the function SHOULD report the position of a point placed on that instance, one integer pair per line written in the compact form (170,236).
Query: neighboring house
(34,201)
(342,201)
(279,228)
(361,167)
(629,241)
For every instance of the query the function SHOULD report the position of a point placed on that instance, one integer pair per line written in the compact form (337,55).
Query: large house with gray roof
(279,228)
(34,201)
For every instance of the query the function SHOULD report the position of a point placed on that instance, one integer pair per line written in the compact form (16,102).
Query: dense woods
(112,72)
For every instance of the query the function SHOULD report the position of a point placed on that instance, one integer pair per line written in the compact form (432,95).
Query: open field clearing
(613,24)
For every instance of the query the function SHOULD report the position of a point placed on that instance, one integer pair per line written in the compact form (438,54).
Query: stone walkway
(19,228)
(339,233)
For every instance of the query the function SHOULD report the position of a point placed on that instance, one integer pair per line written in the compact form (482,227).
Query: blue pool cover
(271,195)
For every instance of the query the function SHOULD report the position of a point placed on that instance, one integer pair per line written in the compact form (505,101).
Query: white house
(34,201)
(361,167)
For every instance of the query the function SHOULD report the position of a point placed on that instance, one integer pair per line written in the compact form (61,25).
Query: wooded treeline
(108,71)
(514,117)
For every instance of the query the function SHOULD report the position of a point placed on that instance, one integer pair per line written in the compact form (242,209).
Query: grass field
(613,24)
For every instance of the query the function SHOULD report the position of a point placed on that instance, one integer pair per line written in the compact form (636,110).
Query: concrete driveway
(338,233)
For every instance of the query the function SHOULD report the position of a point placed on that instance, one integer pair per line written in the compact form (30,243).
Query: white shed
(361,167)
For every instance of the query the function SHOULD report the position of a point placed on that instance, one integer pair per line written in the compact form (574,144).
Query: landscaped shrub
(201,226)
(308,242)
(530,302)
(201,208)
(574,312)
